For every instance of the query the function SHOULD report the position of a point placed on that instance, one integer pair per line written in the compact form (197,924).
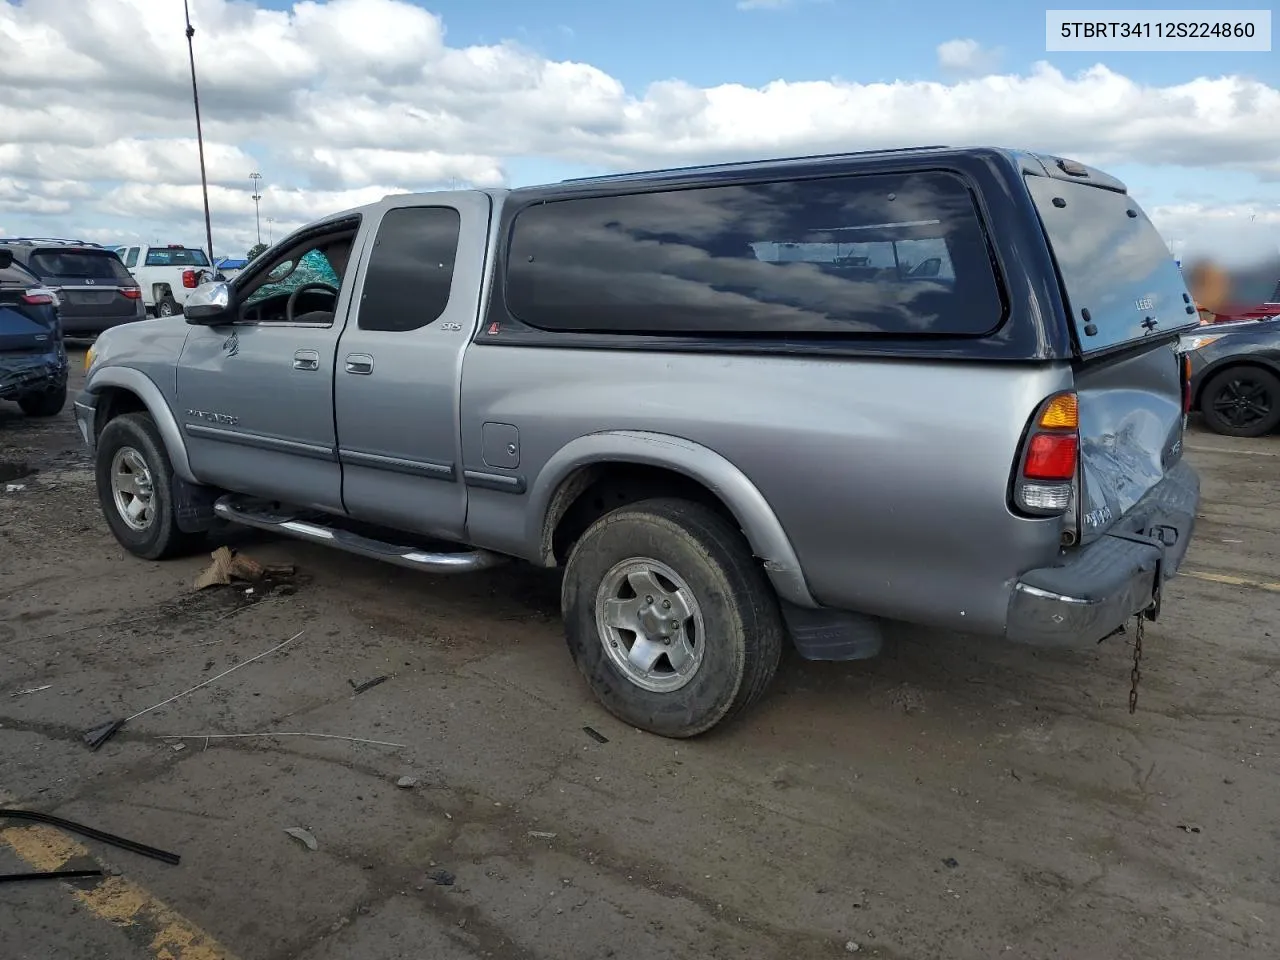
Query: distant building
(230,266)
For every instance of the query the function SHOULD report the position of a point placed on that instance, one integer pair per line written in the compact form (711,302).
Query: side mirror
(209,304)
(6,258)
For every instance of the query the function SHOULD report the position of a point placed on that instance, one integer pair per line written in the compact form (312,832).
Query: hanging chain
(1136,673)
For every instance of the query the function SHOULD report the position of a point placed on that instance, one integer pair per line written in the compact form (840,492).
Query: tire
(720,658)
(130,445)
(1242,401)
(167,307)
(46,403)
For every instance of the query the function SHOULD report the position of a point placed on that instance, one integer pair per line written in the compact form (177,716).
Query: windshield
(79,264)
(1121,281)
(176,257)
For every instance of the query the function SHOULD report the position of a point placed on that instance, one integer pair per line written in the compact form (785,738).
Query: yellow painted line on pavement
(115,899)
(1232,580)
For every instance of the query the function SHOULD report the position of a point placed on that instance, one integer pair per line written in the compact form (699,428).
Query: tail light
(1045,481)
(189,279)
(40,297)
(131,293)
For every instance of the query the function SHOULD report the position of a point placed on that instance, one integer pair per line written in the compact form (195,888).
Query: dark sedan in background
(94,290)
(1235,376)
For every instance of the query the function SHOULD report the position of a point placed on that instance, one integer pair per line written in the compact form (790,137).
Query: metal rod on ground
(103,732)
(195,97)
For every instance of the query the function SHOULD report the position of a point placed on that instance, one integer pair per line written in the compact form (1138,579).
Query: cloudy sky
(341,102)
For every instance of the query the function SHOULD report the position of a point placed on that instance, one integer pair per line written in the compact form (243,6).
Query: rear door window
(1121,280)
(79,264)
(902,254)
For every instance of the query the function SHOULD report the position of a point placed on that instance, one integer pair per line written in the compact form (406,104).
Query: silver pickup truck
(741,405)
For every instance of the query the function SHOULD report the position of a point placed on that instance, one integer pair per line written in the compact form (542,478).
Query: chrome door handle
(359,363)
(306,360)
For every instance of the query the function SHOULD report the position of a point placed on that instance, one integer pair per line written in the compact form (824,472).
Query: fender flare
(763,530)
(139,384)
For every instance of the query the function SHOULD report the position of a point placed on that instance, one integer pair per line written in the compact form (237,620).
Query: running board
(253,513)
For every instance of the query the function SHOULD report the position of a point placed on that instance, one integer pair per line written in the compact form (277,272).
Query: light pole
(270,222)
(195,97)
(257,195)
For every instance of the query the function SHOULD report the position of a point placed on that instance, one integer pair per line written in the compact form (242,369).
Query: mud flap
(193,506)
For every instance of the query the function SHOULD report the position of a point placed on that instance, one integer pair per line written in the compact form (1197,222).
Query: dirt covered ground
(956,798)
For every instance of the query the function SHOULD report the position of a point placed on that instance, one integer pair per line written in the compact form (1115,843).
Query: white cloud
(967,56)
(339,102)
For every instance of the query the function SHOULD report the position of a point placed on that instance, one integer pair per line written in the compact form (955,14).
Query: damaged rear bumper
(21,375)
(1095,589)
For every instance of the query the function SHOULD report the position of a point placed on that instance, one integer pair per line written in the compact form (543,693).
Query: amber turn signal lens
(1062,413)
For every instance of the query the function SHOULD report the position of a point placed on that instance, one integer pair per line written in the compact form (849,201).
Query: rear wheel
(1242,402)
(46,403)
(135,487)
(669,617)
(167,307)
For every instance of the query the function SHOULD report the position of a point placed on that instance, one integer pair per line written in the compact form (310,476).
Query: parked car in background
(33,358)
(1235,376)
(742,405)
(167,274)
(94,290)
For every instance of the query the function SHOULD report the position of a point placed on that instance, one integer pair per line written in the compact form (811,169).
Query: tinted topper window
(1121,279)
(410,270)
(900,254)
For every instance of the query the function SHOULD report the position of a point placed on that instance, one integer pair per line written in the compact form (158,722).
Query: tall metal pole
(270,229)
(257,195)
(195,96)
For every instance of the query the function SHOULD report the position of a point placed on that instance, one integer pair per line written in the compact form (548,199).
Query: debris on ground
(133,846)
(229,566)
(951,862)
(851,947)
(104,732)
(1188,828)
(541,835)
(49,875)
(908,698)
(298,833)
(441,878)
(407,783)
(14,487)
(23,693)
(178,747)
(277,733)
(362,687)
(595,735)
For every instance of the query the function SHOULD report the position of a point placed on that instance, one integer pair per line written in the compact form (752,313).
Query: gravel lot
(956,798)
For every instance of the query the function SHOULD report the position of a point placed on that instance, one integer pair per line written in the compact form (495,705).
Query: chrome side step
(252,513)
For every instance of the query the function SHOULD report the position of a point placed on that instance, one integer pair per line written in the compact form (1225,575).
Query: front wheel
(1242,402)
(669,617)
(135,487)
(46,403)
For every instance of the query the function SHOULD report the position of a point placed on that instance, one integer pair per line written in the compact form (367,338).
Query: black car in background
(94,288)
(1235,376)
(33,359)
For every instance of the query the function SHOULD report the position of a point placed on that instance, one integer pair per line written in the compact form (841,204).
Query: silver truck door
(399,359)
(255,397)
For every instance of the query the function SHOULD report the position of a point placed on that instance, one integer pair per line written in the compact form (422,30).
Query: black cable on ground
(92,833)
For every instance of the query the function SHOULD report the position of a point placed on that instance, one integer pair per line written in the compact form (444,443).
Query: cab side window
(410,275)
